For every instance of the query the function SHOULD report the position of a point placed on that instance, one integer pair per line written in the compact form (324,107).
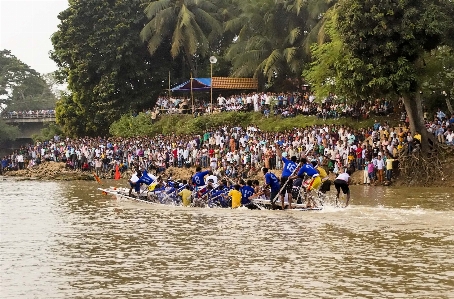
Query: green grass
(142,125)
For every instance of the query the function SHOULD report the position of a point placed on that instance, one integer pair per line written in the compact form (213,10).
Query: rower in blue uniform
(198,179)
(288,170)
(273,182)
(309,170)
(246,192)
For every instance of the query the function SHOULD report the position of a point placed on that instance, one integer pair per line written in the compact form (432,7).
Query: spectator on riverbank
(284,104)
(28,114)
(230,150)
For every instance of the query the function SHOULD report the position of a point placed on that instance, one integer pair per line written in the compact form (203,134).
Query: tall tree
(438,78)
(191,27)
(383,43)
(272,36)
(21,87)
(107,67)
(8,132)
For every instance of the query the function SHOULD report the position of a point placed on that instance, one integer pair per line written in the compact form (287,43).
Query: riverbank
(50,171)
(57,171)
(181,124)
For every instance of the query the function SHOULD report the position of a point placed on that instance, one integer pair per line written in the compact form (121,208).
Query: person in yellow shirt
(417,138)
(326,183)
(235,194)
(185,196)
(351,158)
(389,168)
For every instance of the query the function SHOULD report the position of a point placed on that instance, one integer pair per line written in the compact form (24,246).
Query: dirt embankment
(51,171)
(57,171)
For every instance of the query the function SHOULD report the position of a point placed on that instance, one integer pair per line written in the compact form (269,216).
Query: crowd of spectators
(236,151)
(28,114)
(278,104)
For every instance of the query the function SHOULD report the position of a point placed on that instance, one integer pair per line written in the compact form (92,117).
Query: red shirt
(359,153)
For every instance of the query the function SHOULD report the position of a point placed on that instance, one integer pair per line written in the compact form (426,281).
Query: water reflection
(65,240)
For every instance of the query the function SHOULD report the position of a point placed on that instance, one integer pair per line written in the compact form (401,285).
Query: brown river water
(67,240)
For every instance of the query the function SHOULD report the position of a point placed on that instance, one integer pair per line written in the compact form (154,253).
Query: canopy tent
(204,84)
(198,84)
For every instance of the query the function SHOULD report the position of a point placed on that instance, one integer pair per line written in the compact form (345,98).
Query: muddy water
(66,240)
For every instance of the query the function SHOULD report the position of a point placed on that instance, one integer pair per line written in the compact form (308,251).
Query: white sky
(26,27)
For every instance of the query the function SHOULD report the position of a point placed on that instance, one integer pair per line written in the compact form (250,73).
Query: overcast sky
(26,27)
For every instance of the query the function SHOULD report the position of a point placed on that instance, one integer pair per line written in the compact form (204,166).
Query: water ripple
(65,240)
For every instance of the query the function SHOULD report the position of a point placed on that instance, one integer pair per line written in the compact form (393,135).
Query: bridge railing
(28,115)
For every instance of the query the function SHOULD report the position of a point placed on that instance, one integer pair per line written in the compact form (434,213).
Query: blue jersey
(289,167)
(216,193)
(198,178)
(246,192)
(273,181)
(145,178)
(308,169)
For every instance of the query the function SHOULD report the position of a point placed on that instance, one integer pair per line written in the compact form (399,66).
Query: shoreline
(56,171)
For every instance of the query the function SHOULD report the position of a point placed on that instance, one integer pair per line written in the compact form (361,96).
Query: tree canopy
(107,67)
(21,87)
(381,45)
(191,27)
(116,55)
(273,37)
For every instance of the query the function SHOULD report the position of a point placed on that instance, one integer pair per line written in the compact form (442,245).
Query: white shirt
(343,176)
(450,137)
(212,177)
(134,178)
(213,162)
(380,164)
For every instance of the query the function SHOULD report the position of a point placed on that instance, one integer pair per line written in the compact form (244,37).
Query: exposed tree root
(419,169)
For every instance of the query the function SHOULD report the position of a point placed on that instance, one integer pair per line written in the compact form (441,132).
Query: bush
(48,132)
(142,125)
(8,132)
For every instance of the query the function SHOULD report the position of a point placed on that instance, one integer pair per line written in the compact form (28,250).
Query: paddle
(97,178)
(299,165)
(285,184)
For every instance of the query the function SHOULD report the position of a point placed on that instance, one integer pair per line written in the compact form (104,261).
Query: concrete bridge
(28,123)
(46,119)
(28,117)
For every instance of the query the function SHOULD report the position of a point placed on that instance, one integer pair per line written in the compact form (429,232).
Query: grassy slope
(142,125)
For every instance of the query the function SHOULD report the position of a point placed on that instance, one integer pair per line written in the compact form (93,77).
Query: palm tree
(272,36)
(189,26)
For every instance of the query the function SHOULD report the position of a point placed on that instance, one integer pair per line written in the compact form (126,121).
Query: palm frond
(270,61)
(185,17)
(154,42)
(177,41)
(207,21)
(155,7)
(289,53)
(293,35)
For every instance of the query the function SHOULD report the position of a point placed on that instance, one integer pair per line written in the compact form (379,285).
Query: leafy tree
(48,132)
(272,36)
(107,67)
(21,87)
(329,57)
(438,78)
(8,132)
(191,27)
(383,43)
